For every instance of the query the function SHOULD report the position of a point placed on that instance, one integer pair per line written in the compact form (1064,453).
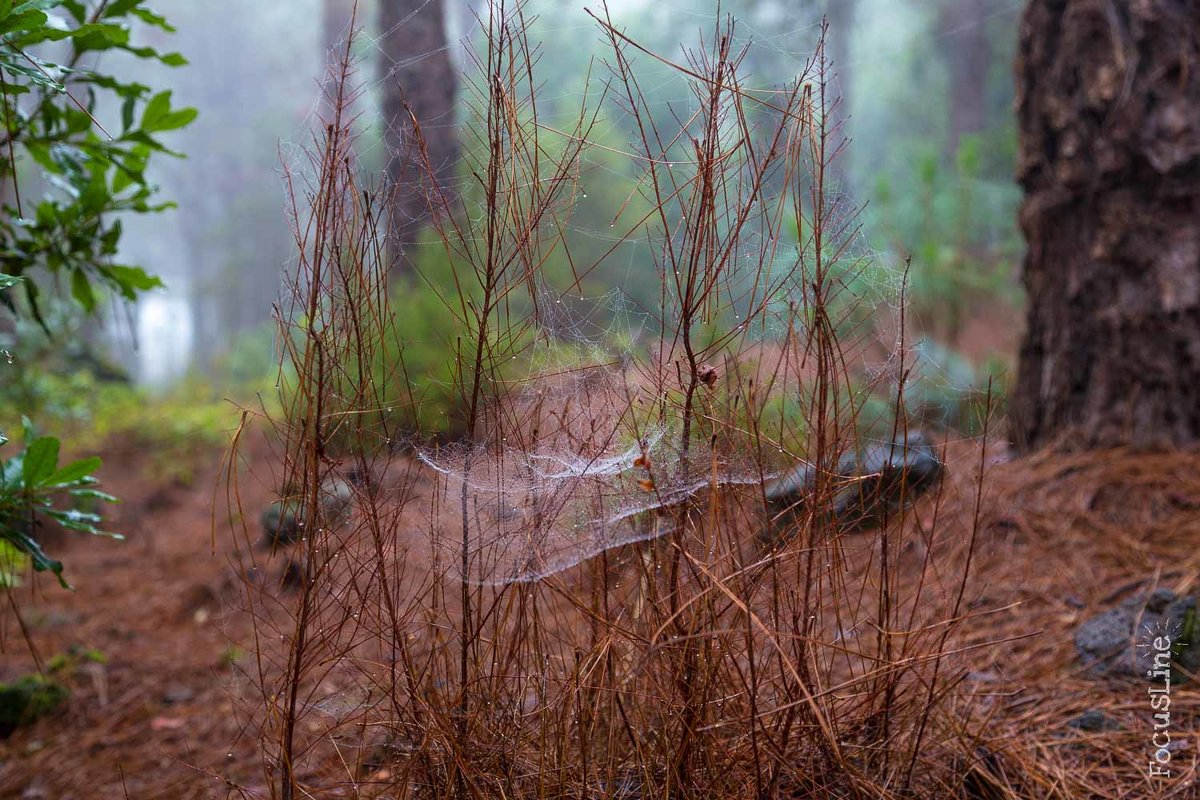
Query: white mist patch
(165,338)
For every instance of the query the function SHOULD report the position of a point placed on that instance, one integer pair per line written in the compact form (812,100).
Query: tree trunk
(335,26)
(420,83)
(1107,99)
(962,27)
(840,15)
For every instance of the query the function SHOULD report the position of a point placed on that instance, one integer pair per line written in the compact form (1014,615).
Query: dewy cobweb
(534,514)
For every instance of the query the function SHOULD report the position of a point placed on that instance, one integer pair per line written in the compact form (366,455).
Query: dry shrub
(572,599)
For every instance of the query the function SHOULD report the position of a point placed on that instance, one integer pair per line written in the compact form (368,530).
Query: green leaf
(40,5)
(37,556)
(32,74)
(127,112)
(27,429)
(158,116)
(150,18)
(122,180)
(131,280)
(81,290)
(119,8)
(20,20)
(76,520)
(7,281)
(10,474)
(72,473)
(41,457)
(158,106)
(31,294)
(99,37)
(76,9)
(95,494)
(177,119)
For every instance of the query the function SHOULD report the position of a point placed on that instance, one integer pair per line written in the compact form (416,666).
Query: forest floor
(160,715)
(157,718)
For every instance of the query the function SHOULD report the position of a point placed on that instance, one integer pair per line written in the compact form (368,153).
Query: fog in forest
(928,180)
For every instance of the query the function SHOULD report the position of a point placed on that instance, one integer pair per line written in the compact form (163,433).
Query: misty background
(924,92)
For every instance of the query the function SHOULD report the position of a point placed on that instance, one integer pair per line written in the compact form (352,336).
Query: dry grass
(1069,536)
(931,658)
(418,661)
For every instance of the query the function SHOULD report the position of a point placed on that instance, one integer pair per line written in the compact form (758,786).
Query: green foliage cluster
(50,121)
(28,699)
(58,370)
(65,383)
(35,695)
(87,175)
(32,488)
(423,345)
(418,361)
(946,224)
(177,430)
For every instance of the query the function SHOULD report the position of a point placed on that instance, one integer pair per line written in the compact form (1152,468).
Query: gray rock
(292,576)
(177,693)
(1093,721)
(337,497)
(1118,642)
(281,521)
(868,485)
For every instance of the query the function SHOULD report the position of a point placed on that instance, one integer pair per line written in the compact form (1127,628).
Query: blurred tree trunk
(335,25)
(1107,99)
(962,28)
(840,15)
(419,82)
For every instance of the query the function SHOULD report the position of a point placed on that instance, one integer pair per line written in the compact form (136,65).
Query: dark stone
(256,577)
(282,520)
(293,575)
(1093,721)
(1118,642)
(281,523)
(868,486)
(177,694)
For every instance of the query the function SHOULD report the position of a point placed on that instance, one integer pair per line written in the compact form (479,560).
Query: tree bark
(420,82)
(1107,101)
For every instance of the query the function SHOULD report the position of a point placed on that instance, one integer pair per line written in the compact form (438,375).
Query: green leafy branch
(32,485)
(49,122)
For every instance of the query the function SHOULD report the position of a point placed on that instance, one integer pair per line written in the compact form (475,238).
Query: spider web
(536,513)
(602,479)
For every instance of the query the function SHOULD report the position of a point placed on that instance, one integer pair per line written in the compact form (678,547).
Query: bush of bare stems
(571,599)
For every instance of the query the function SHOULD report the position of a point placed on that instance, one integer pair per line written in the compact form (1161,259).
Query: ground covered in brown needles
(156,717)
(1062,538)
(156,685)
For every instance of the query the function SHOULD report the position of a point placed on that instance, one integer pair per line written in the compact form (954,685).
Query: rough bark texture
(419,82)
(1108,103)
